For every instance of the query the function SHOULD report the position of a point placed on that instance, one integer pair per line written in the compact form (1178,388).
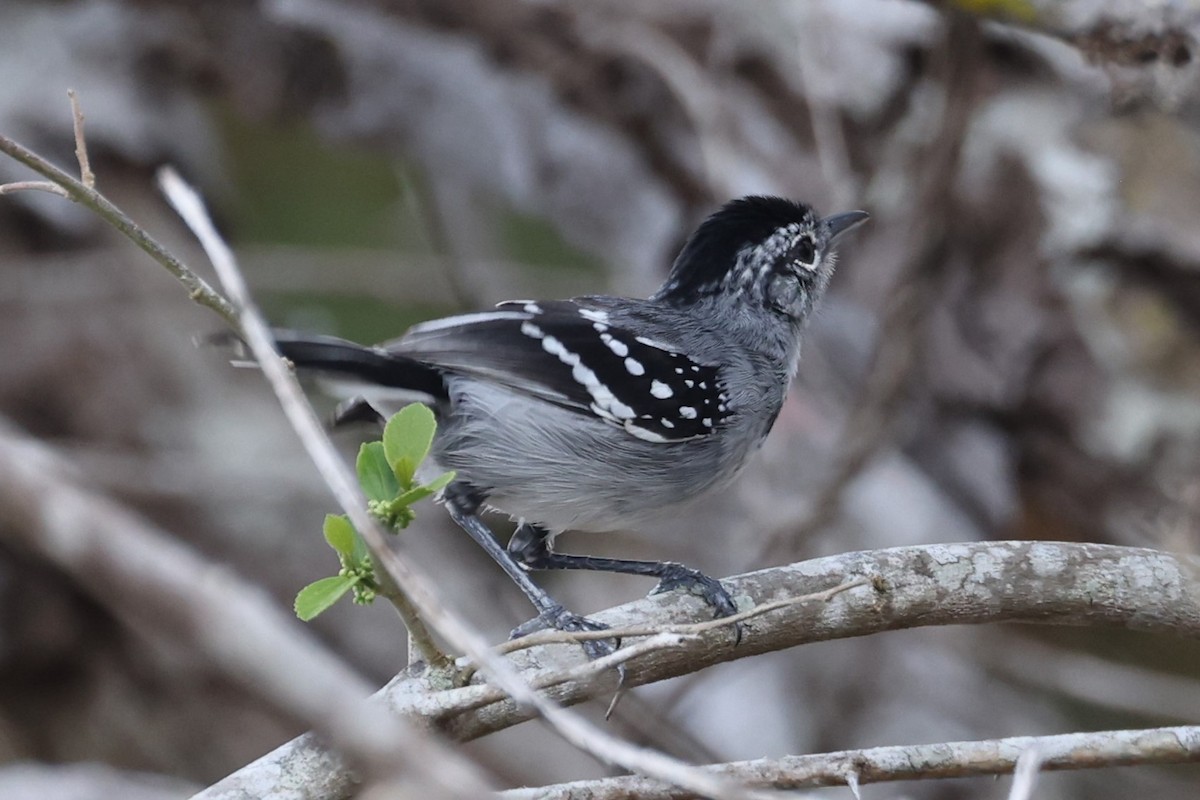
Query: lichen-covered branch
(1055,583)
(915,762)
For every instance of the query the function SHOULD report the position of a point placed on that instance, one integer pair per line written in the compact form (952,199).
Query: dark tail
(370,365)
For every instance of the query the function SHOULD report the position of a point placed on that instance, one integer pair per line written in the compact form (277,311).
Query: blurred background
(1010,349)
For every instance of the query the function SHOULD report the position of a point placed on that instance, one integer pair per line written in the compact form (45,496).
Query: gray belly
(567,471)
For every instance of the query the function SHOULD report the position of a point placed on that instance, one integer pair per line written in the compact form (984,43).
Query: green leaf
(360,556)
(320,595)
(375,473)
(441,481)
(407,438)
(421,492)
(340,534)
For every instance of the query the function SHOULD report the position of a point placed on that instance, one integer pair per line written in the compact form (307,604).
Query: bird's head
(765,251)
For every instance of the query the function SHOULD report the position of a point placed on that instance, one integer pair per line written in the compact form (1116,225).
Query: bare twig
(81,155)
(916,762)
(296,407)
(574,637)
(81,191)
(33,186)
(151,581)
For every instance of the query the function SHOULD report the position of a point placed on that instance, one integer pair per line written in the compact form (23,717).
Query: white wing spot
(643,434)
(600,327)
(655,344)
(634,366)
(604,403)
(689,384)
(533,308)
(593,315)
(706,422)
(661,390)
(531,330)
(687,412)
(616,345)
(666,423)
(703,384)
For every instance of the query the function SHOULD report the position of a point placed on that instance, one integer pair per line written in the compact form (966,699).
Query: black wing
(573,355)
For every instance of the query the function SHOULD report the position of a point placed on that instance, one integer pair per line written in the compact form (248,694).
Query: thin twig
(297,409)
(660,640)
(33,186)
(915,762)
(81,155)
(78,191)
(574,637)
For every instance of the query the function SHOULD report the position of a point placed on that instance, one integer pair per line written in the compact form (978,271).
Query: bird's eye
(803,252)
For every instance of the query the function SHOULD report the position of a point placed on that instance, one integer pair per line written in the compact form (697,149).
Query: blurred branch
(1025,774)
(867,427)
(299,412)
(916,762)
(1091,679)
(148,579)
(1040,582)
(431,217)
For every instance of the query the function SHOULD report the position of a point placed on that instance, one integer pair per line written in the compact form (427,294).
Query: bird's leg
(463,505)
(530,546)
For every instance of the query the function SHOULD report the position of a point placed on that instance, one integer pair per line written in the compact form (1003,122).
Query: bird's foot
(558,618)
(677,576)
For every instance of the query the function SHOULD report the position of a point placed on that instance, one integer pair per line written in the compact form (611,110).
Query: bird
(601,413)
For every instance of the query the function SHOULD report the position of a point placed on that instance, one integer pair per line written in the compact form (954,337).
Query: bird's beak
(840,223)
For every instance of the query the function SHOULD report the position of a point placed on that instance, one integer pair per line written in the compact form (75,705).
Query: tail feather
(366,364)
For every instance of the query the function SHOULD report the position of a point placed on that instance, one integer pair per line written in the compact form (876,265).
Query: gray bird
(600,413)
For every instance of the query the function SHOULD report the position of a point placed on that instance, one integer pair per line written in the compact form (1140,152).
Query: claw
(710,589)
(558,618)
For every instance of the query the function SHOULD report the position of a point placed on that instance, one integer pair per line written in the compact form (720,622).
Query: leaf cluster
(387,472)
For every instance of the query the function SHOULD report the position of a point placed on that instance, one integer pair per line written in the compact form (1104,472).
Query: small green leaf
(360,556)
(340,534)
(320,595)
(375,473)
(421,492)
(441,481)
(407,438)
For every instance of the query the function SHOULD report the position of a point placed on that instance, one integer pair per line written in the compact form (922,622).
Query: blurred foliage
(293,188)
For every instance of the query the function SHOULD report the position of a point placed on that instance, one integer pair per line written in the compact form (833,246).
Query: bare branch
(150,580)
(198,289)
(916,762)
(1042,582)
